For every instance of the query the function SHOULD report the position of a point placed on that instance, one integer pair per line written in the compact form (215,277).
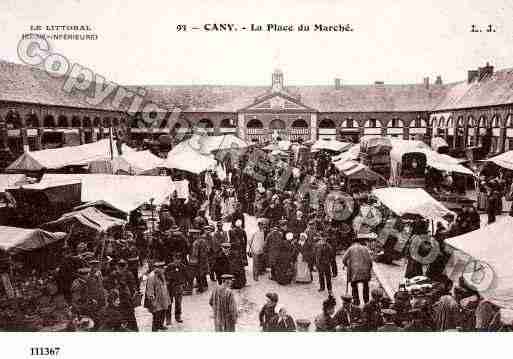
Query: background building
(36,113)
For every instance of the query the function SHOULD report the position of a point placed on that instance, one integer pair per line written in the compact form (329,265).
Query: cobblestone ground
(303,301)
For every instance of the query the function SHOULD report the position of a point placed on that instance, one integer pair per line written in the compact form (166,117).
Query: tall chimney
(438,80)
(426,82)
(484,72)
(472,75)
(338,83)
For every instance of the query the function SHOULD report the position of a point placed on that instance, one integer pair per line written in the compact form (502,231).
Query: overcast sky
(394,41)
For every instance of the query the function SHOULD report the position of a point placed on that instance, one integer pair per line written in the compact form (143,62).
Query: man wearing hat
(199,261)
(218,237)
(239,242)
(274,240)
(176,243)
(176,276)
(222,262)
(348,315)
(191,267)
(358,261)
(157,296)
(323,254)
(224,305)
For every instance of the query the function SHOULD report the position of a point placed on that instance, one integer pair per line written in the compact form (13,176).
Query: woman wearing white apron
(303,274)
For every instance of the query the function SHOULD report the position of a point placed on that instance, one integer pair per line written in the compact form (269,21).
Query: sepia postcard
(254,167)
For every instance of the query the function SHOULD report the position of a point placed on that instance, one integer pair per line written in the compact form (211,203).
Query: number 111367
(44,351)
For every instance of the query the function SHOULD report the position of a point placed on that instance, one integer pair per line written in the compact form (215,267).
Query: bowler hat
(226,276)
(346,297)
(272,296)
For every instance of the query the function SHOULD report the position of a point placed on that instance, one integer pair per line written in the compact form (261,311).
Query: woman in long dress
(303,273)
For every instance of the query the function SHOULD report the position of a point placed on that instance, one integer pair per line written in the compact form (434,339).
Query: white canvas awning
(504,160)
(66,156)
(331,145)
(10,180)
(210,144)
(446,163)
(137,162)
(188,158)
(351,154)
(283,145)
(124,193)
(491,245)
(411,201)
(16,240)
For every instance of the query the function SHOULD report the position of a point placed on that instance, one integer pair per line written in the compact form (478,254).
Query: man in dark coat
(176,243)
(176,276)
(323,256)
(176,206)
(199,261)
(239,244)
(493,206)
(286,260)
(273,240)
(222,262)
(218,237)
(358,261)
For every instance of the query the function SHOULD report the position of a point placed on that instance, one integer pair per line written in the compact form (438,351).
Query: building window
(350,123)
(372,123)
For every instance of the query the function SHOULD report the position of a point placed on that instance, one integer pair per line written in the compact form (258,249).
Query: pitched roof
(496,89)
(349,98)
(22,83)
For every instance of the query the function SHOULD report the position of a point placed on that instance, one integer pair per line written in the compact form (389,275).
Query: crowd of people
(203,237)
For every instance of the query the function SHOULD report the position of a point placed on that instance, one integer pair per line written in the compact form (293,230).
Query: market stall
(283,145)
(124,193)
(28,298)
(408,161)
(330,145)
(131,163)
(85,224)
(355,171)
(483,257)
(44,201)
(57,158)
(403,201)
(187,157)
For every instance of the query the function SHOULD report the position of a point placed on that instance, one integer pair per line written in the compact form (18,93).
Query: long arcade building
(35,112)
